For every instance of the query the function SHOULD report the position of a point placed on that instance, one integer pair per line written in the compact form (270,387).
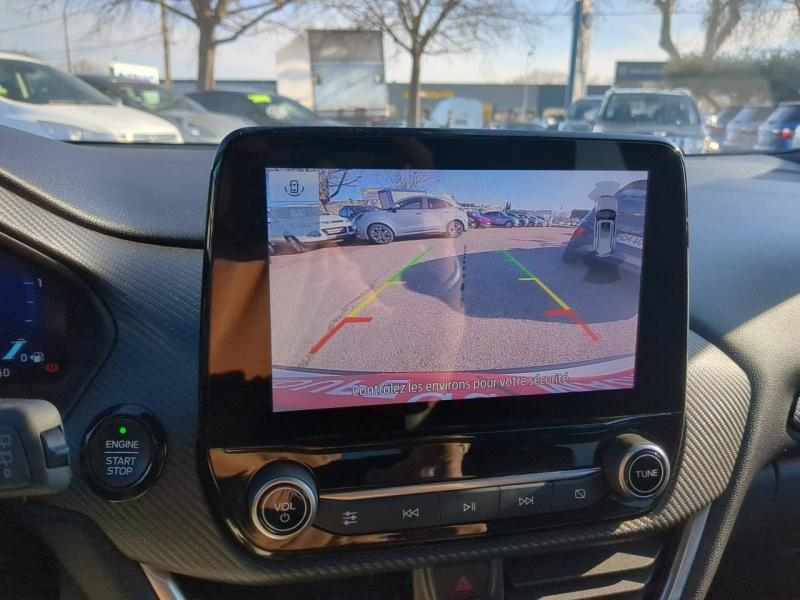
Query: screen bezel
(238,411)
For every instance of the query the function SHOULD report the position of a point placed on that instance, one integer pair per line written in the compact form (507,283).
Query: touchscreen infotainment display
(401,286)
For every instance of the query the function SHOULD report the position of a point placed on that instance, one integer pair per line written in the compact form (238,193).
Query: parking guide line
(335,329)
(393,280)
(565,310)
(352,316)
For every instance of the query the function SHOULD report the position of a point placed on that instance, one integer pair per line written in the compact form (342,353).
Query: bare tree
(411,179)
(428,27)
(721,19)
(333,181)
(217,21)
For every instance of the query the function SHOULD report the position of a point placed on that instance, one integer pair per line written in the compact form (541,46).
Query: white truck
(338,74)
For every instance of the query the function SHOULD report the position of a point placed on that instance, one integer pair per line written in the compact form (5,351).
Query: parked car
(616,236)
(670,114)
(524,220)
(457,113)
(411,216)
(776,134)
(539,221)
(196,123)
(717,124)
(350,212)
(501,219)
(577,113)
(263,109)
(742,131)
(797,137)
(43,100)
(298,226)
(477,220)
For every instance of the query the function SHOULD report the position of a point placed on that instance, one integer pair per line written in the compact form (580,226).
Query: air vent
(611,571)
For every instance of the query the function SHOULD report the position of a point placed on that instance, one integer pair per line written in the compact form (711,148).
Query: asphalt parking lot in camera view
(490,299)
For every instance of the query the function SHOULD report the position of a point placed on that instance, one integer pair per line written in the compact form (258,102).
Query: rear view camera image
(397,286)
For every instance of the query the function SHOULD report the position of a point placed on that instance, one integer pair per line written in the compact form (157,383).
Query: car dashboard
(103,248)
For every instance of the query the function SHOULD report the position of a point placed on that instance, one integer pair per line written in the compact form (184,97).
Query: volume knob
(283,500)
(635,467)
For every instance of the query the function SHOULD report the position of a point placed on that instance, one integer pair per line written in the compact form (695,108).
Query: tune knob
(636,468)
(283,500)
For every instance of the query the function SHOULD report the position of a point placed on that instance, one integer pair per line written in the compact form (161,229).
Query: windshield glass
(33,83)
(706,74)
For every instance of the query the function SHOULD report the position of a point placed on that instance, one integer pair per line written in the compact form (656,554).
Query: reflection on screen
(420,285)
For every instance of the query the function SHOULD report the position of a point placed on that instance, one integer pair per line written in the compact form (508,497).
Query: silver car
(413,215)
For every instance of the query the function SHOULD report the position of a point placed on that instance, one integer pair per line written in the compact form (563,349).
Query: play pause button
(468,506)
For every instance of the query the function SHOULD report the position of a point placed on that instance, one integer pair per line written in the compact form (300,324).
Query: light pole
(66,35)
(525,86)
(577,20)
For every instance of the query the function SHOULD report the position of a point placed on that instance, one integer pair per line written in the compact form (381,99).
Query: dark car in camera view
(626,247)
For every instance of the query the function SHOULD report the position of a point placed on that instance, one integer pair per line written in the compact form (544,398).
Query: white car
(414,215)
(40,99)
(298,226)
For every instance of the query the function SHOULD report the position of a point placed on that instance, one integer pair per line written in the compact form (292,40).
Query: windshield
(706,74)
(33,83)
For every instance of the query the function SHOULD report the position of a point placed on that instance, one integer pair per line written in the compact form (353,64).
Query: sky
(525,190)
(623,30)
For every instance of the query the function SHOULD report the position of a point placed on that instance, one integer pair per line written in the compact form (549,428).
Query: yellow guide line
(393,280)
(548,291)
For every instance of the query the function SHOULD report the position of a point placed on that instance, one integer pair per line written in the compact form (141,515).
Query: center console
(413,336)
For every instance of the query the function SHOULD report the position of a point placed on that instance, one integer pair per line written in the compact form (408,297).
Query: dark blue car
(629,235)
(777,132)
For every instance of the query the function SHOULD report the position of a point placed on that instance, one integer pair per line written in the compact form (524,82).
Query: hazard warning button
(461,582)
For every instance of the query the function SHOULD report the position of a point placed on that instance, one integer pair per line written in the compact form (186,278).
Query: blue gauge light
(19,294)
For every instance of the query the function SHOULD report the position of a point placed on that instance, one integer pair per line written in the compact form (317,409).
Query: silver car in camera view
(413,215)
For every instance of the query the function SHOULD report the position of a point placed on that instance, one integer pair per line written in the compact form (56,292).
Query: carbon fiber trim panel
(154,295)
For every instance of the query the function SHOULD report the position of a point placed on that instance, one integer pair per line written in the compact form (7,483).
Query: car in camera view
(626,224)
(501,219)
(414,215)
(301,225)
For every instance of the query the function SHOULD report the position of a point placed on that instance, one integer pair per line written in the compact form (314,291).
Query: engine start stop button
(121,452)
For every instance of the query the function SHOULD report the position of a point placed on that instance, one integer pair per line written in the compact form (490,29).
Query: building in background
(338,74)
(502,102)
(633,74)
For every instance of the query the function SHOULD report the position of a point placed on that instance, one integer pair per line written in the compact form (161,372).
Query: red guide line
(335,329)
(557,312)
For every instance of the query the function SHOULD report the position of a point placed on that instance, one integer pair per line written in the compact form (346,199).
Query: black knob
(636,468)
(282,499)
